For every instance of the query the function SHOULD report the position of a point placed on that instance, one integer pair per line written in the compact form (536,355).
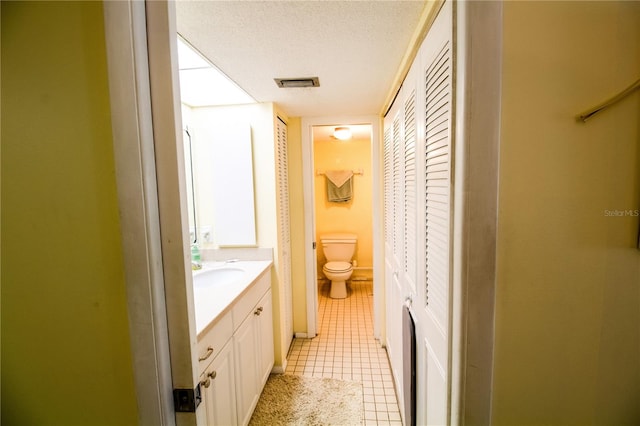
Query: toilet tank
(339,246)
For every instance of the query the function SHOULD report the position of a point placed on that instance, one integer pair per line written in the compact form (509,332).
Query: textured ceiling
(354,47)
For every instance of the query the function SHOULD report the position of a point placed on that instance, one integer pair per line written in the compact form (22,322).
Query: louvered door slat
(437,106)
(438,212)
(438,129)
(439,167)
(439,92)
(439,115)
(438,152)
(436,239)
(438,192)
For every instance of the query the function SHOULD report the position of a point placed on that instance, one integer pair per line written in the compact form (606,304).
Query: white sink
(219,284)
(217,277)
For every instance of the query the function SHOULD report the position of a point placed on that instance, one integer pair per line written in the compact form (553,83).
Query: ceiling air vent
(297,82)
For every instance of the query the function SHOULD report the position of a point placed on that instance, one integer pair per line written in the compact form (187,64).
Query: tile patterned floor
(345,349)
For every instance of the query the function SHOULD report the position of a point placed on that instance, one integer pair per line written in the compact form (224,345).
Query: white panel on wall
(232,167)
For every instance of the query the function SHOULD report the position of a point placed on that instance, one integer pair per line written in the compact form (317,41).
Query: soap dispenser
(196,262)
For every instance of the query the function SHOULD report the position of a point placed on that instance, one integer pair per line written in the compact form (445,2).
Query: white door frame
(310,222)
(134,154)
(142,59)
(478,34)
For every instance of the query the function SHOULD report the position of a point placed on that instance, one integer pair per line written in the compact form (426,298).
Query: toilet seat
(337,267)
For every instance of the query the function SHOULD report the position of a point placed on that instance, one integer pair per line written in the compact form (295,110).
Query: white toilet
(339,250)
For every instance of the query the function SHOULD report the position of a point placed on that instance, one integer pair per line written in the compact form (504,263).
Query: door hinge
(314,245)
(187,400)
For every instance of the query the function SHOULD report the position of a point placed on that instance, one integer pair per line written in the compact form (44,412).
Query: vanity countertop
(211,302)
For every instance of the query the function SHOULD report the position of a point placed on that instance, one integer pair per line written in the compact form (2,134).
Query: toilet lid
(337,266)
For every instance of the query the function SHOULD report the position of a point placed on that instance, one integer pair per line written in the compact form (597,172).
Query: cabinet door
(264,331)
(246,352)
(220,396)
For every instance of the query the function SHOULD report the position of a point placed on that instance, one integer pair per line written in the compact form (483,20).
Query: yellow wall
(296,208)
(567,325)
(355,216)
(65,341)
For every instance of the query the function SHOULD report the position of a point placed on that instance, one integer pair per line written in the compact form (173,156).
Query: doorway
(342,202)
(340,217)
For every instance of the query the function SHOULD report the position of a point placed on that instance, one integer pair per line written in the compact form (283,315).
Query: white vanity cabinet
(236,356)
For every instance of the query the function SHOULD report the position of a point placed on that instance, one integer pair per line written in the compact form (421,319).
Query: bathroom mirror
(218,155)
(232,185)
(220,194)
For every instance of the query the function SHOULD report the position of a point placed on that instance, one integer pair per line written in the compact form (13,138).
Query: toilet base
(338,290)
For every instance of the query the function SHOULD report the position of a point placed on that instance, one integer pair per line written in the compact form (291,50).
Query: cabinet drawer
(213,341)
(248,301)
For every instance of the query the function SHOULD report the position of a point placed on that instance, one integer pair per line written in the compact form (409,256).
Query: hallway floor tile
(345,349)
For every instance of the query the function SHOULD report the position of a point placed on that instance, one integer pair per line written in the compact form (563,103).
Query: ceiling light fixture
(342,133)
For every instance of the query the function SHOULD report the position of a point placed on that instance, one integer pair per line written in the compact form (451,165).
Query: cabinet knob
(213,374)
(258,311)
(206,383)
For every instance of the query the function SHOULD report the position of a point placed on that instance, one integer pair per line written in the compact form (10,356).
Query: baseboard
(360,278)
(301,336)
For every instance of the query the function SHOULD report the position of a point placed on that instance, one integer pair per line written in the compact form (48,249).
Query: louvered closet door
(434,292)
(394,242)
(284,236)
(400,217)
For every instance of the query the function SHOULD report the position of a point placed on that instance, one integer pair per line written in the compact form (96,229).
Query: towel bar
(355,172)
